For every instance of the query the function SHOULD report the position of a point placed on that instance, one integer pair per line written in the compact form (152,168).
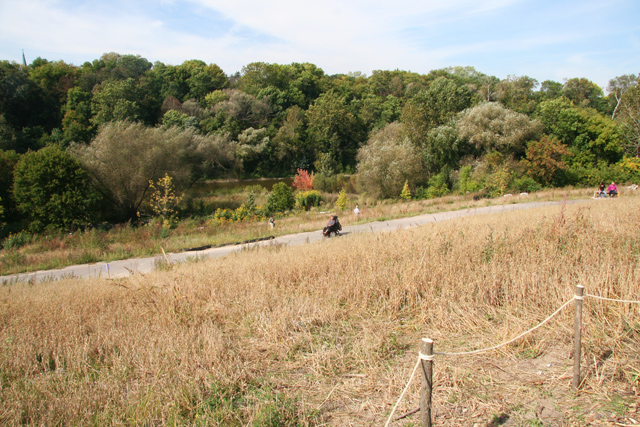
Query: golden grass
(327,333)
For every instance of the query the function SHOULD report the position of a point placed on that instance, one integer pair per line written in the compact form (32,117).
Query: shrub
(406,191)
(466,184)
(281,198)
(499,181)
(437,187)
(52,190)
(163,200)
(526,184)
(303,181)
(307,199)
(343,200)
(14,241)
(326,183)
(421,193)
(630,168)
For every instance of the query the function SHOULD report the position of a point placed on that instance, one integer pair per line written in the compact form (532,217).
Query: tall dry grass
(327,334)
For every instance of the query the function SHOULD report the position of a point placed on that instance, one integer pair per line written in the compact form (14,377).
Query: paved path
(128,267)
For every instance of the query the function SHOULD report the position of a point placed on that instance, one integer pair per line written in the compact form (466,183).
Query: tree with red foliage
(544,159)
(303,181)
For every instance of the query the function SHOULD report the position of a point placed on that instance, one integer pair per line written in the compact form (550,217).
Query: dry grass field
(328,333)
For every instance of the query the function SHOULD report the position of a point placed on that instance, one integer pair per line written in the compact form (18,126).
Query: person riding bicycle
(333,226)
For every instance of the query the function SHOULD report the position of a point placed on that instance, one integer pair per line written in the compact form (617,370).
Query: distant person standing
(272,223)
(356,211)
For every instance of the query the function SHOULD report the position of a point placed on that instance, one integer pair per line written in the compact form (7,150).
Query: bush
(589,177)
(466,184)
(421,193)
(499,181)
(630,169)
(307,199)
(281,198)
(406,191)
(334,183)
(343,200)
(526,184)
(14,241)
(437,187)
(52,190)
(303,181)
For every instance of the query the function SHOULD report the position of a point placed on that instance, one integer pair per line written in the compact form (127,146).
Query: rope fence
(425,358)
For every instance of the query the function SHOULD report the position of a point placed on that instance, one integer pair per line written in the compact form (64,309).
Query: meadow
(24,252)
(327,334)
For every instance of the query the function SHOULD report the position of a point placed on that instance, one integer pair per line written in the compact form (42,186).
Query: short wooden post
(577,340)
(426,363)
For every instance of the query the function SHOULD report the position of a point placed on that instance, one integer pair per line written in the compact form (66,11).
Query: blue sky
(546,40)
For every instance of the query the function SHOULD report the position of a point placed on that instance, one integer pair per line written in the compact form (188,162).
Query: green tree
(618,87)
(8,161)
(584,93)
(76,123)
(55,79)
(200,79)
(249,148)
(115,100)
(125,156)
(433,107)
(591,137)
(333,128)
(238,112)
(550,89)
(52,190)
(491,127)
(516,93)
(290,141)
(628,119)
(386,161)
(441,149)
(281,198)
(26,112)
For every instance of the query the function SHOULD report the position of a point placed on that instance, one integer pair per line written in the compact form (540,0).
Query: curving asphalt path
(128,267)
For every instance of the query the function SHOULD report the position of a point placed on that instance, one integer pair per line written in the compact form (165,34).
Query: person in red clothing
(612,190)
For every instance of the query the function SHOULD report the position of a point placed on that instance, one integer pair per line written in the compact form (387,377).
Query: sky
(543,39)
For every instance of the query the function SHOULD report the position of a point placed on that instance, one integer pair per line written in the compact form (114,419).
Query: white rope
(393,411)
(464,353)
(610,299)
(430,357)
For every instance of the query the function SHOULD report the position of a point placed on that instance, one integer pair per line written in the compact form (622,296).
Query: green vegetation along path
(124,268)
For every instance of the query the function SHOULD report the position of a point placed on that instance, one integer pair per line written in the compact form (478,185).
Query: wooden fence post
(426,363)
(577,340)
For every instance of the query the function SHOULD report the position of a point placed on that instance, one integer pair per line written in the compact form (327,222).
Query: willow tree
(124,157)
(386,161)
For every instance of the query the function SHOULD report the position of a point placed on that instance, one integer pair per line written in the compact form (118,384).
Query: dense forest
(81,144)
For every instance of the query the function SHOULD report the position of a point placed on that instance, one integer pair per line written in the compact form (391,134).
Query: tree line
(103,130)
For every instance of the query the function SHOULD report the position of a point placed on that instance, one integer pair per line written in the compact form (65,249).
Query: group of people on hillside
(611,190)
